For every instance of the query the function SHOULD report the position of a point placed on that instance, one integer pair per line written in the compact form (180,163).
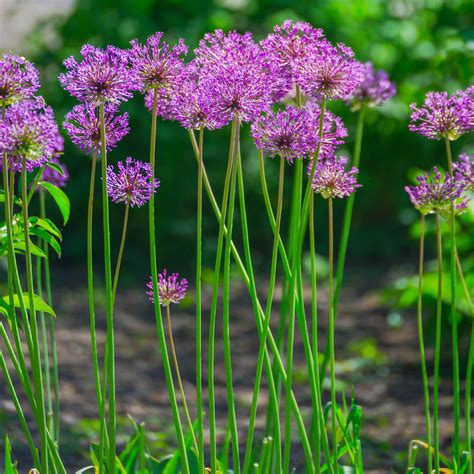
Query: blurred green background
(423,45)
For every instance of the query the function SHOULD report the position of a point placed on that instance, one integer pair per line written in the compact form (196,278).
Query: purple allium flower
(235,78)
(170,288)
(334,130)
(332,180)
(103,76)
(464,170)
(330,72)
(29,131)
(83,126)
(132,182)
(156,64)
(19,79)
(442,115)
(288,133)
(375,89)
(435,193)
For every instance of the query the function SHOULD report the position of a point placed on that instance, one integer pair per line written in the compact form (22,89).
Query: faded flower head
(375,88)
(443,115)
(156,64)
(19,79)
(131,183)
(170,288)
(102,76)
(330,72)
(83,126)
(331,178)
(287,133)
(28,132)
(435,194)
(464,170)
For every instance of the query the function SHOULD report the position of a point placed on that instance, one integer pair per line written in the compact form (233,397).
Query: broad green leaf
(56,167)
(47,238)
(60,198)
(47,225)
(40,304)
(34,249)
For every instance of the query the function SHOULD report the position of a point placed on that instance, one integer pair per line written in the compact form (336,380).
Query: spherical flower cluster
(170,288)
(375,88)
(102,76)
(132,182)
(156,64)
(234,76)
(19,79)
(287,133)
(435,194)
(443,115)
(83,126)
(464,170)
(331,179)
(28,132)
(330,72)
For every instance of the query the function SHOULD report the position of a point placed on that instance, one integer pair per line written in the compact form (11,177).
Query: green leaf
(34,249)
(56,167)
(9,466)
(47,238)
(47,225)
(60,198)
(40,304)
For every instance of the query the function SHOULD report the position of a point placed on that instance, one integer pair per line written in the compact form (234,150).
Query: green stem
(157,306)
(439,307)
(454,320)
(199,402)
(37,375)
(108,298)
(122,246)
(178,377)
(421,343)
(268,309)
(213,315)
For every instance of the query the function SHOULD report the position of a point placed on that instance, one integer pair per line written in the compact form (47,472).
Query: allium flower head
(330,72)
(29,131)
(464,170)
(170,288)
(131,183)
(156,64)
(19,79)
(83,126)
(375,88)
(332,180)
(442,115)
(234,77)
(287,133)
(435,193)
(102,76)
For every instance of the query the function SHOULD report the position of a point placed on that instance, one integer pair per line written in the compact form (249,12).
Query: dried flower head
(28,132)
(464,170)
(19,79)
(435,193)
(83,126)
(375,88)
(442,115)
(102,76)
(170,288)
(131,183)
(331,178)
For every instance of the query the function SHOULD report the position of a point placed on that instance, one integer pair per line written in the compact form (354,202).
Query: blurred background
(423,45)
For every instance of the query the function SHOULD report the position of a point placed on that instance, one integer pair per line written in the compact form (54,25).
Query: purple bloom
(132,182)
(83,126)
(288,133)
(19,79)
(435,193)
(103,76)
(375,89)
(29,131)
(330,72)
(464,170)
(332,180)
(170,288)
(156,64)
(443,115)
(234,77)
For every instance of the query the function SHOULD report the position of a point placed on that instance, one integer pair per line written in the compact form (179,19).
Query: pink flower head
(170,288)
